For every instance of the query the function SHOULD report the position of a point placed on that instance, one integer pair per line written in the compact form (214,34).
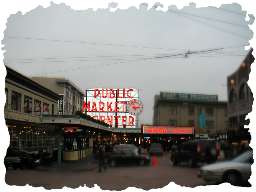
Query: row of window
(191,110)
(210,124)
(244,93)
(73,97)
(16,100)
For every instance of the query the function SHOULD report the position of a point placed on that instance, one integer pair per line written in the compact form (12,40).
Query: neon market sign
(116,107)
(151,129)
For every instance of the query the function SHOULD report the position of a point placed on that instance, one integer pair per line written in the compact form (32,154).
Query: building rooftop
(58,80)
(187,97)
(26,81)
(248,60)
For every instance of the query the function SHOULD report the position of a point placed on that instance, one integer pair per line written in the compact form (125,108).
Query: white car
(236,171)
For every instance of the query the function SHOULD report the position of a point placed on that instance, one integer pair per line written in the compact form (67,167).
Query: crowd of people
(229,150)
(101,152)
(222,150)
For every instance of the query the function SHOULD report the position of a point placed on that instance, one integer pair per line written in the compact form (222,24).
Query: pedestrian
(208,154)
(140,149)
(101,158)
(106,155)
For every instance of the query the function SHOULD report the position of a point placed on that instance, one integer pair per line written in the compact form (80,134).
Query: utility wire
(91,43)
(55,59)
(209,25)
(212,19)
(176,56)
(227,11)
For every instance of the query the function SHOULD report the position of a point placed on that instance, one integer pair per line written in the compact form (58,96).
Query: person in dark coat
(101,158)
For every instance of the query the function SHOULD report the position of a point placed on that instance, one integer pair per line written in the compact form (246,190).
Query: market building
(205,113)
(35,124)
(71,97)
(26,103)
(240,100)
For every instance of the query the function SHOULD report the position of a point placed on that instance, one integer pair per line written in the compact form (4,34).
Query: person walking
(101,158)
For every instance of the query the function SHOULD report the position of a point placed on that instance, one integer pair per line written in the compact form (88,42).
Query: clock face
(134,107)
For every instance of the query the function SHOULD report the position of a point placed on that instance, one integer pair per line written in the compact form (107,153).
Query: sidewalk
(73,166)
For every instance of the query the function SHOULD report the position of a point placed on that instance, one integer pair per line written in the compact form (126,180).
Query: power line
(119,57)
(82,42)
(208,24)
(227,11)
(212,19)
(175,56)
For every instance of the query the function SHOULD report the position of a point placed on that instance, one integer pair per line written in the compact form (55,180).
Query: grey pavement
(74,166)
(116,178)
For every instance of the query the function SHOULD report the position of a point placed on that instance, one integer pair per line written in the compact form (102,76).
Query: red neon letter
(124,120)
(101,106)
(106,93)
(112,93)
(116,107)
(102,118)
(94,107)
(109,107)
(110,120)
(86,106)
(96,93)
(129,94)
(131,120)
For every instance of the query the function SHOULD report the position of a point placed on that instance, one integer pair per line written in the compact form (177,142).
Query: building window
(209,124)
(191,110)
(200,110)
(227,124)
(243,91)
(37,107)
(233,123)
(45,108)
(16,101)
(60,106)
(225,112)
(27,104)
(191,123)
(173,110)
(52,109)
(173,122)
(232,96)
(209,111)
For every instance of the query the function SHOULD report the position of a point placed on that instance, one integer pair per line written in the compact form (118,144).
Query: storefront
(127,135)
(166,135)
(75,144)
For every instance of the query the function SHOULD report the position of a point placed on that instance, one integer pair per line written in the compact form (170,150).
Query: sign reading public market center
(116,107)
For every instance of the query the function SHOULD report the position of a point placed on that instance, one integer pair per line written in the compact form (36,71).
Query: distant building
(181,109)
(71,96)
(240,99)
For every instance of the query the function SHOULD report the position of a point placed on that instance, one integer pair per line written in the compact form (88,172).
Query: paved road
(117,178)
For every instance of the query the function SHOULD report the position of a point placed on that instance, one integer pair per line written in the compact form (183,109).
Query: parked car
(156,149)
(20,159)
(127,154)
(236,171)
(194,151)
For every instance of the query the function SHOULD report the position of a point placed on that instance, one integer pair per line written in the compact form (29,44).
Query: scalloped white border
(13,6)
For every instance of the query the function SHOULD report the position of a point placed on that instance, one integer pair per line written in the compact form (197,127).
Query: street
(114,178)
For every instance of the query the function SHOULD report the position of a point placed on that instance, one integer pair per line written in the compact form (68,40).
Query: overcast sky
(131,48)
